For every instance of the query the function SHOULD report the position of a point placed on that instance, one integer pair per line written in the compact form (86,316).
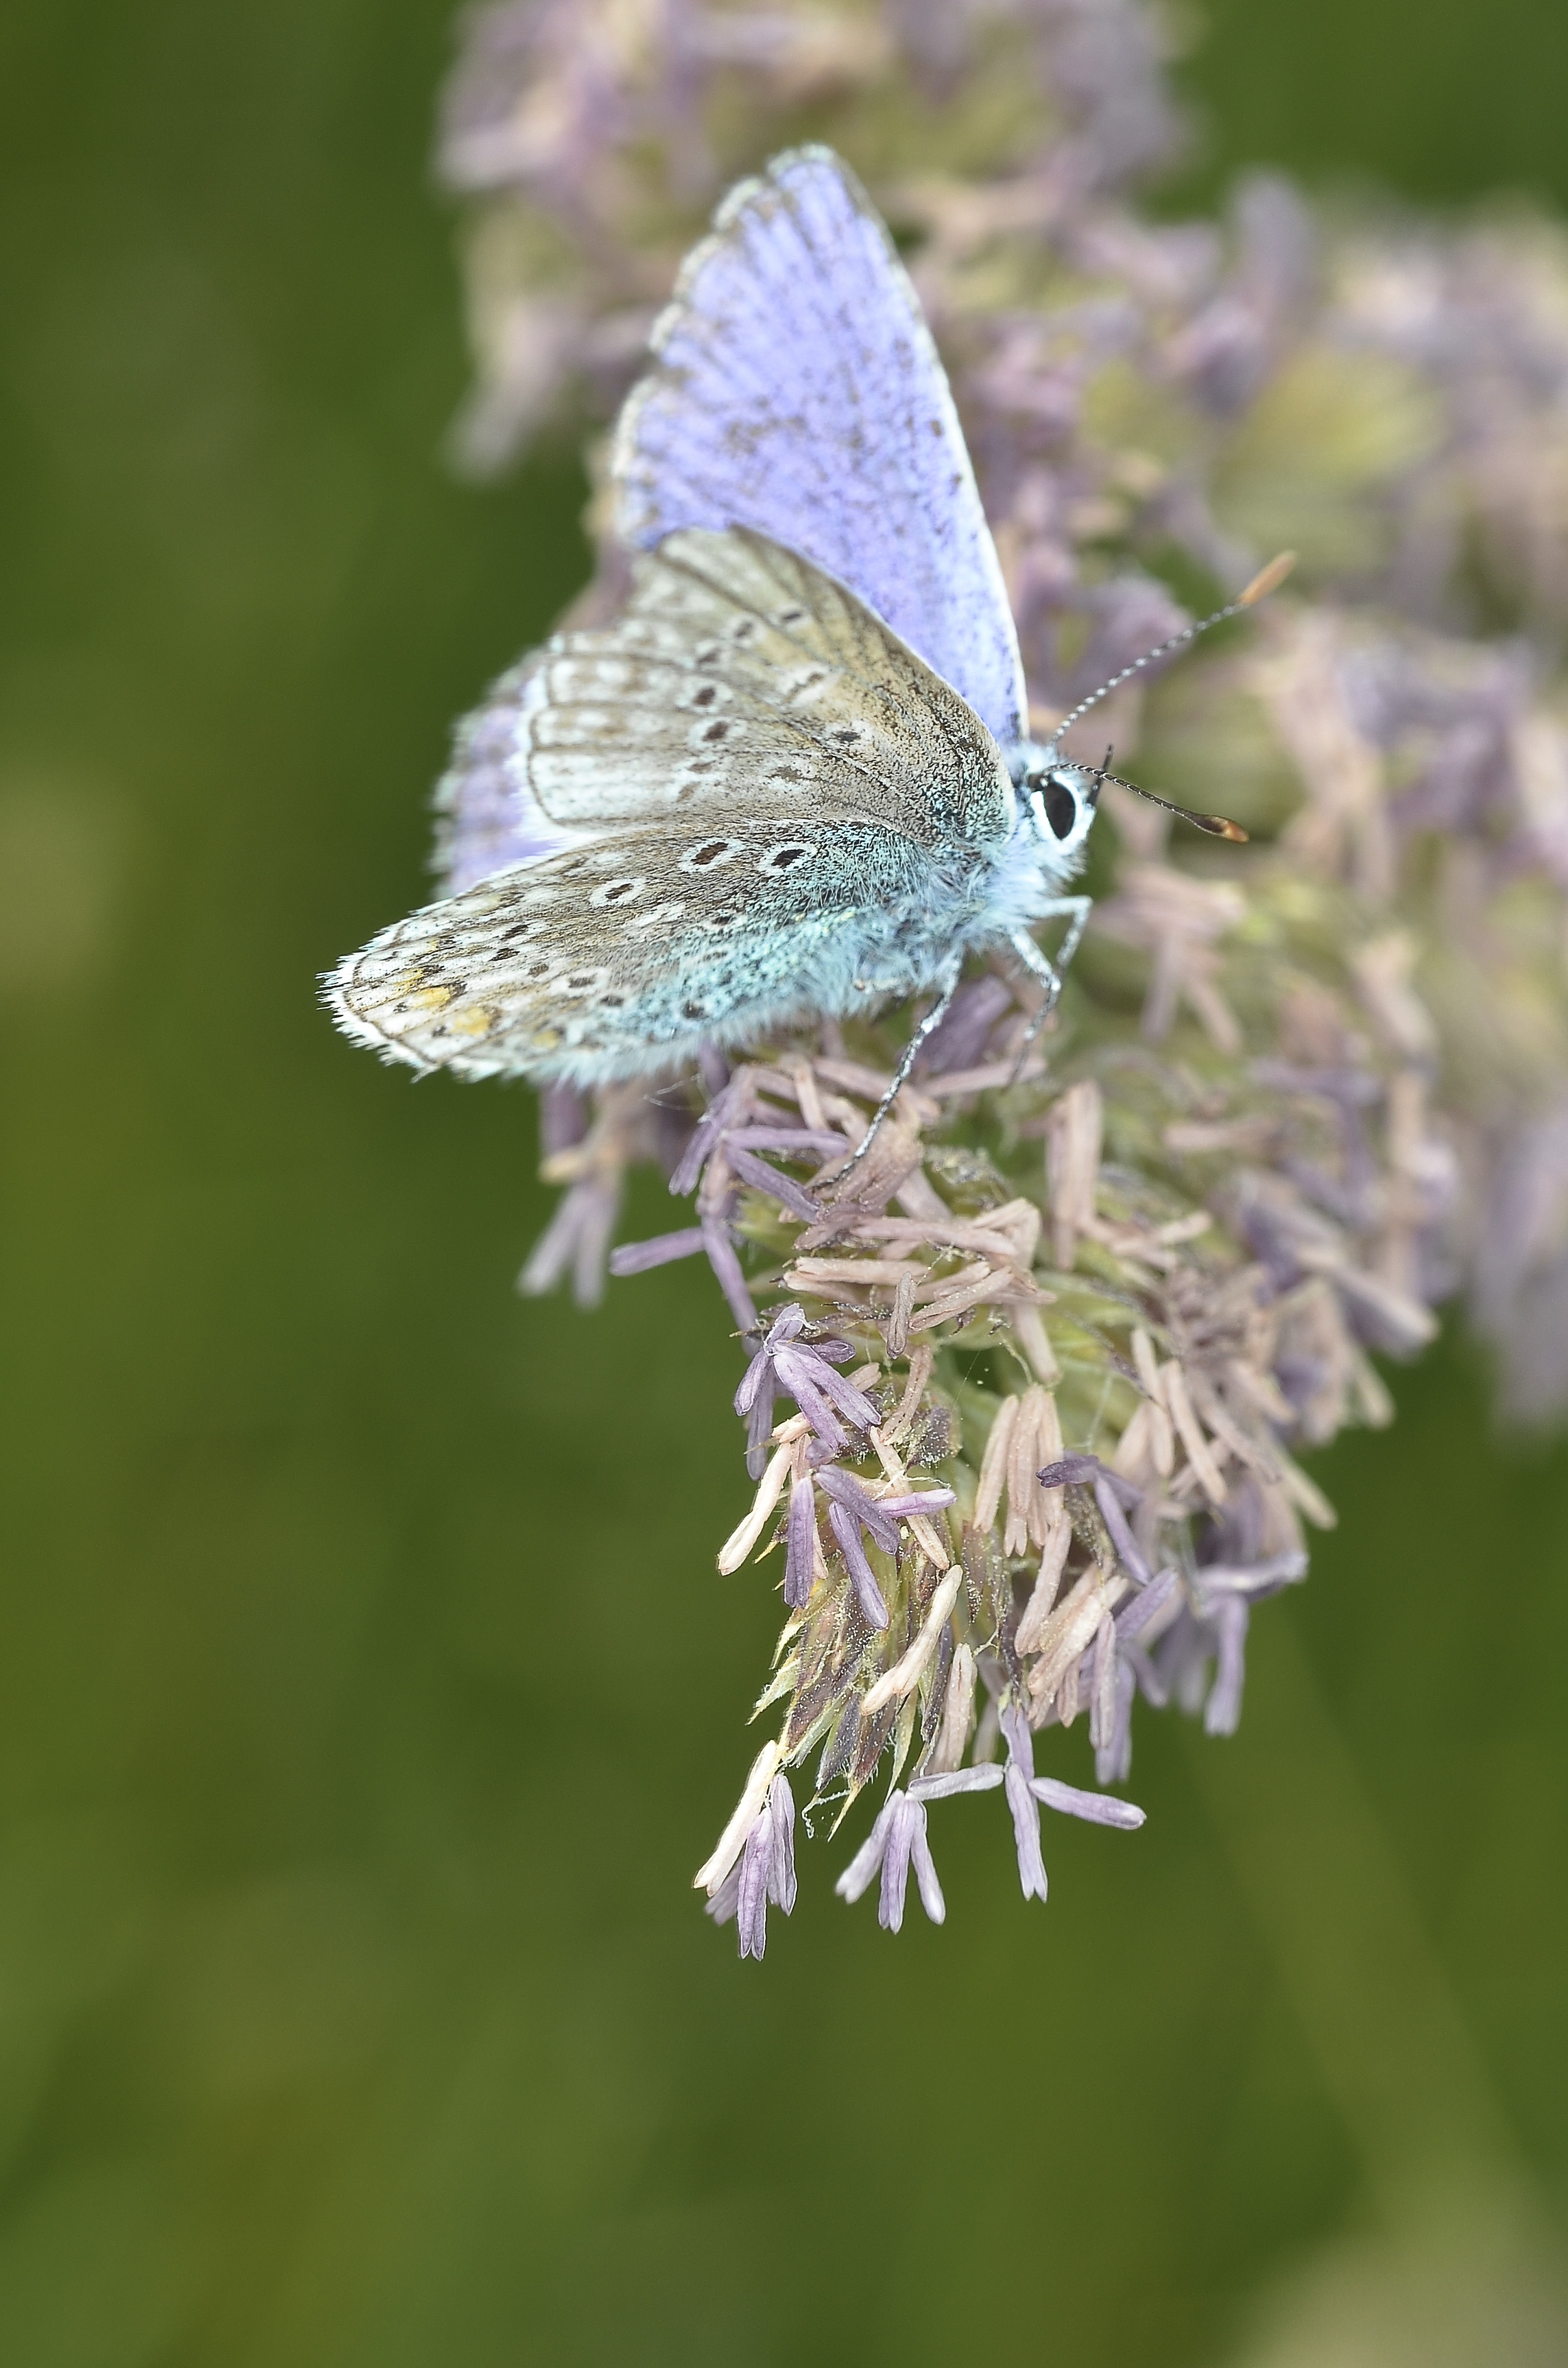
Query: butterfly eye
(1060,805)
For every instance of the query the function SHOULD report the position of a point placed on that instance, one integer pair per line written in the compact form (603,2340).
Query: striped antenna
(1268,580)
(1215,825)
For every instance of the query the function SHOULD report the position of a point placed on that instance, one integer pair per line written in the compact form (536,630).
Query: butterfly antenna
(1215,825)
(1268,580)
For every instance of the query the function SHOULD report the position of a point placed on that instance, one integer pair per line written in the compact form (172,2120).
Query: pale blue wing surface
(795,388)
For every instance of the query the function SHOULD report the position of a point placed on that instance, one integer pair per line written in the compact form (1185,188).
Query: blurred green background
(367,1691)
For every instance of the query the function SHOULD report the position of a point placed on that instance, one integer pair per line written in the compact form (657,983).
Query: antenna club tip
(1267,579)
(1223,829)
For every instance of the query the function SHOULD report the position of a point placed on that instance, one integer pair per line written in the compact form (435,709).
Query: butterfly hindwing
(795,388)
(622,957)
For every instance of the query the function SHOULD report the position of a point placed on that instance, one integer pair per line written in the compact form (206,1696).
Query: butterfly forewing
(741,674)
(795,388)
(738,671)
(715,883)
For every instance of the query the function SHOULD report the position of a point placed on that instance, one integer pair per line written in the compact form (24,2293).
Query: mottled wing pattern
(795,388)
(619,959)
(762,783)
(741,676)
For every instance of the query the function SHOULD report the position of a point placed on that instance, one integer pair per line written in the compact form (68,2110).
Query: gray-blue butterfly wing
(795,388)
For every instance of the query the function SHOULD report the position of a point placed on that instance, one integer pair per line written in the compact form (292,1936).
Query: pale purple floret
(803,1369)
(1121,1537)
(1026,1831)
(1134,1617)
(1256,1580)
(1071,1472)
(661,1250)
(1027,1793)
(808,1375)
(742,1144)
(1095,1808)
(721,1257)
(960,1040)
(982,1778)
(1213,1632)
(1018,1782)
(1112,1690)
(1226,1594)
(730,1119)
(1222,1711)
(730,1107)
(851,1508)
(1087,1471)
(1136,1672)
(896,1843)
(726,1122)
(799,1142)
(800,1537)
(1112,1492)
(856,1499)
(1112,1685)
(919,1500)
(575,1240)
(846,1528)
(766,1179)
(764,1872)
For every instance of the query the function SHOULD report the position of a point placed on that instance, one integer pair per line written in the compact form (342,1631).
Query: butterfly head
(1057,799)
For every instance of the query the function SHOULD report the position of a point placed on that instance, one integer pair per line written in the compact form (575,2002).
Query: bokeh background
(367,1693)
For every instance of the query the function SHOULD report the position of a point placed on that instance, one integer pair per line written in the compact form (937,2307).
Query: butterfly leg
(1049,972)
(947,987)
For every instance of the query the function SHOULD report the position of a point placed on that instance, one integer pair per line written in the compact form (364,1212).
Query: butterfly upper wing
(709,878)
(795,388)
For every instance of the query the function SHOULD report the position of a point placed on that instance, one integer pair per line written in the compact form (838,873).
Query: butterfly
(793,778)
